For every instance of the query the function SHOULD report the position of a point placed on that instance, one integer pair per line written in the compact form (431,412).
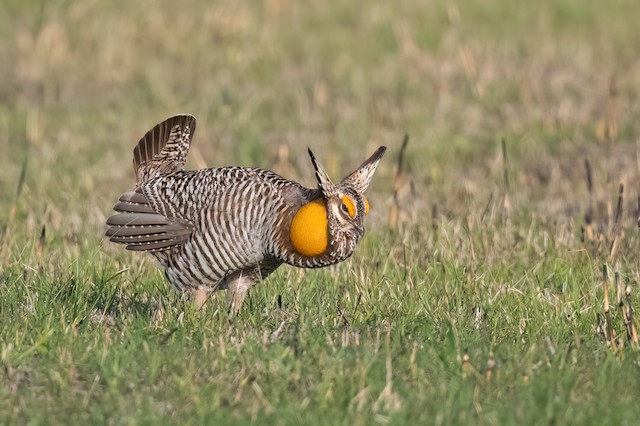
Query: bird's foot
(238,290)
(200,297)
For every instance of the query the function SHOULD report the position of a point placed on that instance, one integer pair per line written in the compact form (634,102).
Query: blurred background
(558,81)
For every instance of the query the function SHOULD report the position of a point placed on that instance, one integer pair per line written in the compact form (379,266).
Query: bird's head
(335,221)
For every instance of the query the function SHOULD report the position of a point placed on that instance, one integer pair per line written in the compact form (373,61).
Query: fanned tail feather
(164,148)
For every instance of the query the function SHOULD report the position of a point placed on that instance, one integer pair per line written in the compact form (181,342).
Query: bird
(230,227)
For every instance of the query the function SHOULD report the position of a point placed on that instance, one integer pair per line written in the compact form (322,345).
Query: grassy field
(477,296)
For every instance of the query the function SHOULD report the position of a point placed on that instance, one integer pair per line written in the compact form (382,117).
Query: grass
(483,303)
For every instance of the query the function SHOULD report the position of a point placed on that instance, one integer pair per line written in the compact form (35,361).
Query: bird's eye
(348,206)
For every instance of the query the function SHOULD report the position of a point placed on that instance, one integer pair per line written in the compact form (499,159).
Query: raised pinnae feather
(164,148)
(324,182)
(360,179)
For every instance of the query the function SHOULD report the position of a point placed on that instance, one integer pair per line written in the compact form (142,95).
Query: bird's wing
(141,228)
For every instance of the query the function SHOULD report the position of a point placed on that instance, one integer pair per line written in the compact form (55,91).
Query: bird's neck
(308,239)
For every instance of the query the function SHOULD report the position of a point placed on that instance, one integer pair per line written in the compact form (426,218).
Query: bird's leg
(237,291)
(200,297)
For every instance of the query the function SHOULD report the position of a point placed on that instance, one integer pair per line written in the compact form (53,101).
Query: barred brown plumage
(230,227)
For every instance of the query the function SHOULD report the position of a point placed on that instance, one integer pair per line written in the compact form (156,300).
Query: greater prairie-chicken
(230,227)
